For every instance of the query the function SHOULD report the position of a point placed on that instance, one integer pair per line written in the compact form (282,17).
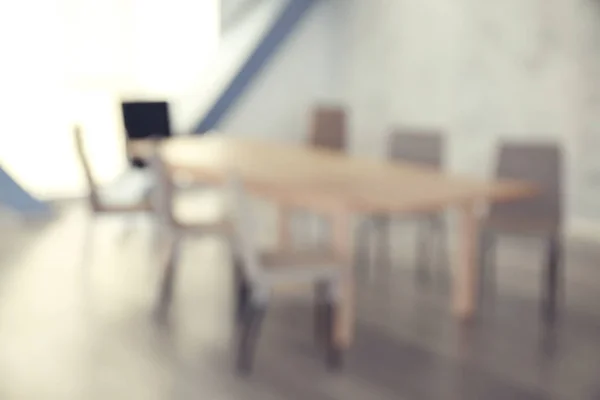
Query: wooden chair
(329,128)
(424,147)
(259,275)
(109,199)
(420,146)
(328,131)
(539,216)
(172,229)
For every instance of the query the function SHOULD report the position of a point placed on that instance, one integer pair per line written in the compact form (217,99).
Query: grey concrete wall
(305,71)
(483,71)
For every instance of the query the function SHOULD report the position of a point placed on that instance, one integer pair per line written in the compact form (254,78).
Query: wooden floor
(76,322)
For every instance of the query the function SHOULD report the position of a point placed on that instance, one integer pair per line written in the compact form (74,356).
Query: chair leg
(320,313)
(170,271)
(487,264)
(423,259)
(441,230)
(552,277)
(250,329)
(383,226)
(334,354)
(362,246)
(241,290)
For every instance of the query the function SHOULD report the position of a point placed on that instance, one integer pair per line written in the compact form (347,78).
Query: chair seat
(131,189)
(526,226)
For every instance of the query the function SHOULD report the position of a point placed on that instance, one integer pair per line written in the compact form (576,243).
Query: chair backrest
(329,128)
(163,191)
(81,154)
(420,146)
(244,232)
(537,163)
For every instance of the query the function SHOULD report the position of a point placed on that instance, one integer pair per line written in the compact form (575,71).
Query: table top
(319,177)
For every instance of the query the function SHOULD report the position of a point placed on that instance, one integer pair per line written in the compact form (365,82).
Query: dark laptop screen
(145,118)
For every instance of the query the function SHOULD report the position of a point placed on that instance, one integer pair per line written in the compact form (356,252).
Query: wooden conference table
(340,186)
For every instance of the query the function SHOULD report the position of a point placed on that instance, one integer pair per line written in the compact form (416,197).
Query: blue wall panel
(14,197)
(283,26)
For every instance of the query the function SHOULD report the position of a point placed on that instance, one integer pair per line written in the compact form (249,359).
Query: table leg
(342,242)
(466,269)
(284,228)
